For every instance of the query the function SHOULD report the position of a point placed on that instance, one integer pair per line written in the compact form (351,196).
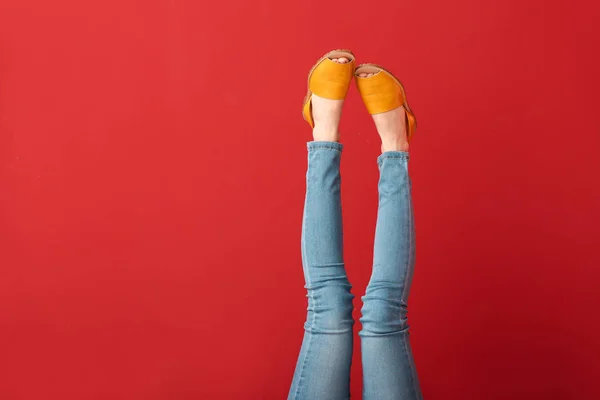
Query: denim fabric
(323,367)
(388,367)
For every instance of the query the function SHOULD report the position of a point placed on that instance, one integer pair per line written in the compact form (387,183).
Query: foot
(391,126)
(327,114)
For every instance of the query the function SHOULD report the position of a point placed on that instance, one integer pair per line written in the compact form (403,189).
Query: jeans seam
(406,350)
(310,297)
(300,379)
(408,267)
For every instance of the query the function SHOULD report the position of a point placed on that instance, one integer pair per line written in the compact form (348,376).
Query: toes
(365,74)
(340,60)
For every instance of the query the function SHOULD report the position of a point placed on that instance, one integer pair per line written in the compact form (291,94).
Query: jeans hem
(402,155)
(324,145)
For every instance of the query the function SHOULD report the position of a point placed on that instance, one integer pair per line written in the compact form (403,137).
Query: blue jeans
(323,367)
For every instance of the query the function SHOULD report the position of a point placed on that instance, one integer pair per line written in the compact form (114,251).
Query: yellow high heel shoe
(383,92)
(328,79)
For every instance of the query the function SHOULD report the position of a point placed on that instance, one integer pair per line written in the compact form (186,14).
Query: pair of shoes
(380,92)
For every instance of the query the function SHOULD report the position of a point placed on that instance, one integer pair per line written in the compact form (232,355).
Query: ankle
(326,134)
(391,126)
(394,144)
(326,116)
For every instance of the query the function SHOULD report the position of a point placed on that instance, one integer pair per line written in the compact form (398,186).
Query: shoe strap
(331,80)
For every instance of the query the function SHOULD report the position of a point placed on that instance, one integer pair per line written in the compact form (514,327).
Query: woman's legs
(323,367)
(388,366)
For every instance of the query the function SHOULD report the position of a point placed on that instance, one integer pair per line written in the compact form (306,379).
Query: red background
(152,158)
